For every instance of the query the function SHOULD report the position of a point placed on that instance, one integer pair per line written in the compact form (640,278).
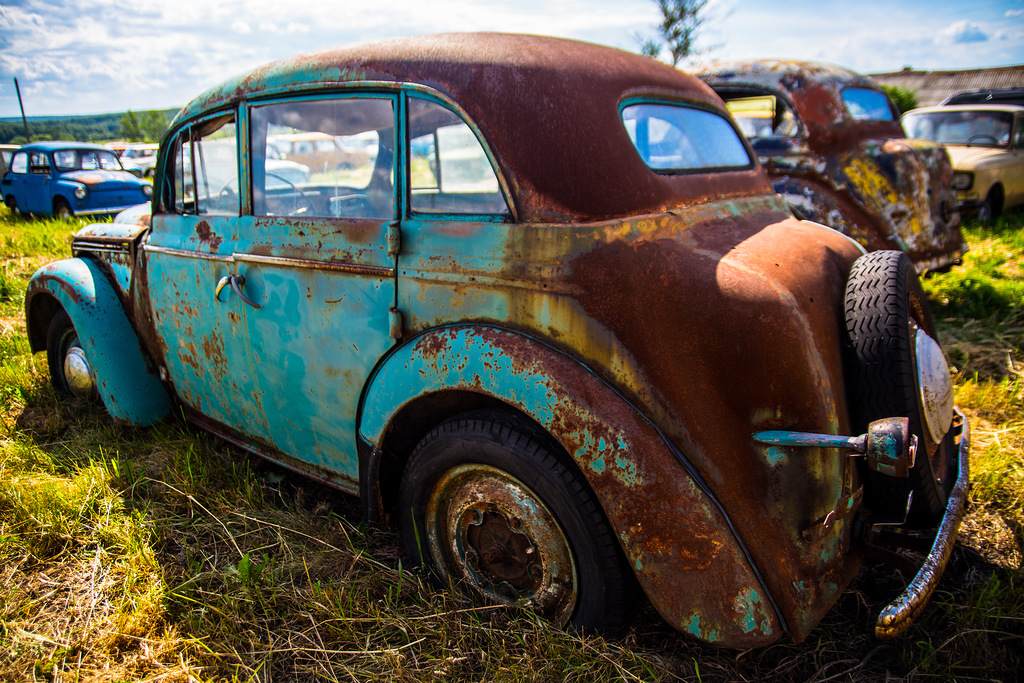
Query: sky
(76,57)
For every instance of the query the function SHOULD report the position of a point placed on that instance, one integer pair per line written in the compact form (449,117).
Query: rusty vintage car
(833,146)
(561,333)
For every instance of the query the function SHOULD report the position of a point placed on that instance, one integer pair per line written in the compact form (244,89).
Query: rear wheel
(896,368)
(489,506)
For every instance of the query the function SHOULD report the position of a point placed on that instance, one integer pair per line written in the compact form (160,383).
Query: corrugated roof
(932,87)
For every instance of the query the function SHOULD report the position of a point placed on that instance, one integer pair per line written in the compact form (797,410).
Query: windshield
(673,138)
(85,160)
(980,128)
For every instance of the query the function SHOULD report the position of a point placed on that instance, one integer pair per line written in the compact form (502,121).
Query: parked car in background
(832,144)
(70,178)
(1005,96)
(6,152)
(139,159)
(986,142)
(556,328)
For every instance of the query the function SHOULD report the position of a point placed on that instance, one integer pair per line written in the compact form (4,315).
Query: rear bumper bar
(902,611)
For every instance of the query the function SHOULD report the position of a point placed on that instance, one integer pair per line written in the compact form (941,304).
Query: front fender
(673,532)
(126,378)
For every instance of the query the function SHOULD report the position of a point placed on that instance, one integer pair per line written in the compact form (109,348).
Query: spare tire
(895,368)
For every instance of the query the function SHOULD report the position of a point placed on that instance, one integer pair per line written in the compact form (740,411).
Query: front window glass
(206,168)
(449,171)
(763,116)
(20,163)
(675,138)
(867,104)
(977,128)
(326,158)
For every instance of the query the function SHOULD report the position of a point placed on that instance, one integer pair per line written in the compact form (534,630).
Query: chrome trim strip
(186,253)
(118,247)
(353,268)
(902,611)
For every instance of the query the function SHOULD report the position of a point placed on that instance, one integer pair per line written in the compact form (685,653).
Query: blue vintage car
(537,305)
(70,178)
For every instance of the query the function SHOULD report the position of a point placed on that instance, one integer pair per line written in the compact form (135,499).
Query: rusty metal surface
(694,571)
(859,176)
(526,95)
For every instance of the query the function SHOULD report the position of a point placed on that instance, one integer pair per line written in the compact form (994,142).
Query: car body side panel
(673,532)
(127,381)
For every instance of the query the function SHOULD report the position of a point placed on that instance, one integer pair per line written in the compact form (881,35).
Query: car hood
(110,180)
(965,157)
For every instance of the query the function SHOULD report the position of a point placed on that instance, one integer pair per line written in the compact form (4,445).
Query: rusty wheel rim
(487,528)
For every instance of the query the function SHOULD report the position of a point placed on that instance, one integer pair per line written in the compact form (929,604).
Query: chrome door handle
(236,282)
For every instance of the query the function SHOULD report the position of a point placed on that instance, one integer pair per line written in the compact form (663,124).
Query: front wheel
(487,505)
(62,210)
(70,371)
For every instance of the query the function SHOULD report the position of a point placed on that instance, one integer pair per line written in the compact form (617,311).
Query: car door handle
(236,282)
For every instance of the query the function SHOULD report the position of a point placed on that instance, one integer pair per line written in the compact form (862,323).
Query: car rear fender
(125,375)
(674,533)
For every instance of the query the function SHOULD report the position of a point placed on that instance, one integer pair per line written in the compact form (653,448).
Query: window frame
(503,188)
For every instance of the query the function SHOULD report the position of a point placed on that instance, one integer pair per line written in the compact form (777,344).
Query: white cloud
(962,32)
(240,27)
(1014,13)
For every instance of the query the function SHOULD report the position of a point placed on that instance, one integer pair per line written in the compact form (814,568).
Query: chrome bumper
(902,611)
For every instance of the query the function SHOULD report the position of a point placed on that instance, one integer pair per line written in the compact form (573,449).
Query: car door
(198,302)
(37,182)
(320,270)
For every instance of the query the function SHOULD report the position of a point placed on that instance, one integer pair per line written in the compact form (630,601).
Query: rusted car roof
(562,148)
(814,89)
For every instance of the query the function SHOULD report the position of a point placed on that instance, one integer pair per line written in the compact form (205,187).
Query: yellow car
(986,143)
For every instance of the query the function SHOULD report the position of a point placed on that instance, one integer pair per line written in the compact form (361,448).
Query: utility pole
(24,121)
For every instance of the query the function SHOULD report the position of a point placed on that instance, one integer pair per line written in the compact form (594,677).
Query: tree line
(145,126)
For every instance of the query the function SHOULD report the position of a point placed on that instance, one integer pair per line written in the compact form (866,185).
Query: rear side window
(867,105)
(20,163)
(673,138)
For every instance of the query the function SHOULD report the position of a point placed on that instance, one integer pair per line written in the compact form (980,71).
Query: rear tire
(885,308)
(489,506)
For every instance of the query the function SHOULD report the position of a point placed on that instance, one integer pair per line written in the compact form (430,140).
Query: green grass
(163,554)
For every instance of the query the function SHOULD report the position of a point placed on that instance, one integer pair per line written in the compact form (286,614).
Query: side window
(449,172)
(1018,136)
(867,104)
(206,169)
(20,163)
(39,163)
(329,158)
(673,138)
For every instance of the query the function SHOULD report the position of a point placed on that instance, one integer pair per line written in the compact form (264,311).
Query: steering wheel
(983,136)
(306,198)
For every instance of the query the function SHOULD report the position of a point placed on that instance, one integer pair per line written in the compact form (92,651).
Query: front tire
(70,371)
(892,354)
(487,504)
(62,210)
